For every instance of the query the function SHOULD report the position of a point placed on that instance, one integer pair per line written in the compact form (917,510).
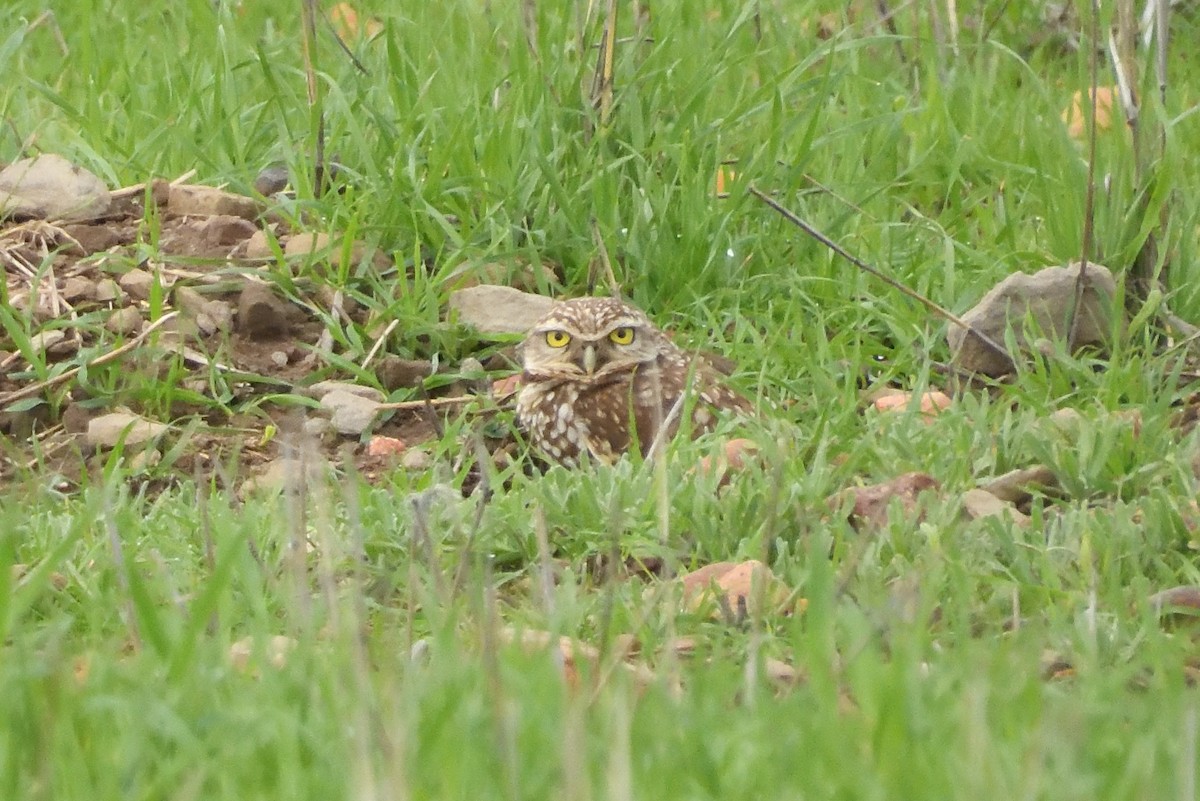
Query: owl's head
(589,338)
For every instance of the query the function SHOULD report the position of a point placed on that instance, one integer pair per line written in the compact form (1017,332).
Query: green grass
(948,170)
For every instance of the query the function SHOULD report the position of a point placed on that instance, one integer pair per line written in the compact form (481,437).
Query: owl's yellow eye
(557,339)
(622,336)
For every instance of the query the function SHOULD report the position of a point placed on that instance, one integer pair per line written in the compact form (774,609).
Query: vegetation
(935,657)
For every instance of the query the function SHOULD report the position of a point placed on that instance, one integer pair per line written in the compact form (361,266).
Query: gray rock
(349,413)
(107,430)
(261,313)
(188,300)
(323,388)
(287,474)
(45,340)
(225,229)
(49,187)
(397,373)
(125,321)
(77,288)
(206,201)
(499,309)
(108,291)
(136,283)
(1044,300)
(258,246)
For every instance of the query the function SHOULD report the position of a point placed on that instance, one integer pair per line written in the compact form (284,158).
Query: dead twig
(940,311)
(1089,201)
(104,358)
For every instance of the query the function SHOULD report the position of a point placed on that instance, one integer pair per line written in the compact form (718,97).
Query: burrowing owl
(598,374)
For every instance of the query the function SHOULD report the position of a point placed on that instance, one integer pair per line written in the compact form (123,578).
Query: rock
(144,460)
(93,238)
(1046,298)
(504,387)
(307,244)
(871,503)
(261,313)
(380,446)
(323,388)
(48,187)
(929,404)
(416,460)
(1018,486)
(736,588)
(188,300)
(75,418)
(320,247)
(978,504)
(77,288)
(107,430)
(396,373)
(224,230)
(108,291)
(258,246)
(735,455)
(244,656)
(1177,602)
(220,312)
(518,275)
(349,413)
(272,179)
(498,309)
(45,340)
(206,201)
(125,321)
(137,283)
(289,474)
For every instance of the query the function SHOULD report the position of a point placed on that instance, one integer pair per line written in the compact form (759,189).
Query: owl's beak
(589,359)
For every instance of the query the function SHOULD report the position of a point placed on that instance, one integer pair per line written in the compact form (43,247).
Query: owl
(600,377)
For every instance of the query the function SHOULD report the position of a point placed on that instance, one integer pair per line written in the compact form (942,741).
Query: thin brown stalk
(105,358)
(1089,202)
(940,311)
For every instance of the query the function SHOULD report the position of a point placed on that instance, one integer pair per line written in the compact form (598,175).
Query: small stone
(107,430)
(872,504)
(221,314)
(279,358)
(395,373)
(224,230)
(261,313)
(109,291)
(349,413)
(271,180)
(48,187)
(416,460)
(77,288)
(1041,300)
(286,474)
(323,388)
(1018,486)
(274,652)
(380,446)
(143,460)
(206,201)
(307,244)
(124,321)
(44,340)
(93,238)
(189,300)
(978,504)
(258,246)
(75,418)
(136,283)
(498,309)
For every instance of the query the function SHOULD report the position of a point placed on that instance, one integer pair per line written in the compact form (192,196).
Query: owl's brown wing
(658,392)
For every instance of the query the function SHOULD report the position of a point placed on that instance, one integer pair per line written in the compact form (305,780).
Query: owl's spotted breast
(599,377)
